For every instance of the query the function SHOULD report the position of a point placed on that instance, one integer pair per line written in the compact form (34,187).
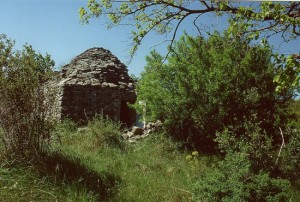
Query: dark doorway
(127,115)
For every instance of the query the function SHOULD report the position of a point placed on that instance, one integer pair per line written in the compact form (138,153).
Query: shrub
(294,107)
(255,143)
(25,103)
(289,161)
(107,132)
(234,180)
(250,170)
(207,85)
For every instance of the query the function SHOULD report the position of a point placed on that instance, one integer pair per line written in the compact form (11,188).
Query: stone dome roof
(97,66)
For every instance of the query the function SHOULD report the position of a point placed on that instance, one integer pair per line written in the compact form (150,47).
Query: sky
(53,26)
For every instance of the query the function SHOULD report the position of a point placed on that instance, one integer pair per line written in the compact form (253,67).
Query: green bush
(289,161)
(26,104)
(257,144)
(294,107)
(107,132)
(208,84)
(250,170)
(234,180)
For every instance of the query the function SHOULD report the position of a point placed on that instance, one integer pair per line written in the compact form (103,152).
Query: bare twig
(174,35)
(281,145)
(194,22)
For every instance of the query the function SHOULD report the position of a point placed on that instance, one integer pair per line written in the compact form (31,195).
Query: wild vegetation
(85,166)
(231,124)
(214,83)
(79,167)
(228,104)
(249,130)
(25,103)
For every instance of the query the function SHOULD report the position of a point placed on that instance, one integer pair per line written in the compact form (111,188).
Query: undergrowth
(95,164)
(150,170)
(26,184)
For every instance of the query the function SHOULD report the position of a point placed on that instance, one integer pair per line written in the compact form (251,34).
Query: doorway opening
(127,114)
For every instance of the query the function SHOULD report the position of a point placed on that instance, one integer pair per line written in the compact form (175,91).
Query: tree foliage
(219,93)
(295,108)
(166,16)
(25,102)
(210,84)
(253,20)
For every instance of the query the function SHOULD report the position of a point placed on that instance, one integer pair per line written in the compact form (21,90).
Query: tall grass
(25,184)
(95,164)
(150,170)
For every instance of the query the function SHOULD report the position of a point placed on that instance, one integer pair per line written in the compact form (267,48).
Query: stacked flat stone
(96,82)
(97,66)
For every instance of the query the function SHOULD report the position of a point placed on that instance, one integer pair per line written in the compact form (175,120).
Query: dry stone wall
(96,82)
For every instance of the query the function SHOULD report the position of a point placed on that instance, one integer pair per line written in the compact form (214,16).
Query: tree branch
(281,145)
(174,35)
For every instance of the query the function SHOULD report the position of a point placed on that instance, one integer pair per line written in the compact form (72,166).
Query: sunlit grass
(82,165)
(150,170)
(25,184)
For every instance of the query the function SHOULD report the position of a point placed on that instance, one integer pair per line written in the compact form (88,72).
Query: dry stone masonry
(136,133)
(96,82)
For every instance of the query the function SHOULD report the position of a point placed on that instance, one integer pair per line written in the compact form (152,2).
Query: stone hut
(96,82)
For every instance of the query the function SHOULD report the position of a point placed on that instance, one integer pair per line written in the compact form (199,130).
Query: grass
(25,184)
(83,165)
(150,170)
(89,165)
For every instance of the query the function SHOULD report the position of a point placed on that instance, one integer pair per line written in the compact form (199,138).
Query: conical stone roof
(97,67)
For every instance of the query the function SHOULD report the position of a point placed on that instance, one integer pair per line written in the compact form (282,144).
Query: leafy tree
(165,16)
(210,84)
(25,102)
(219,93)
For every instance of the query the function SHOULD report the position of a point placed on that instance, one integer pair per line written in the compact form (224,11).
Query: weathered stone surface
(136,133)
(153,127)
(96,82)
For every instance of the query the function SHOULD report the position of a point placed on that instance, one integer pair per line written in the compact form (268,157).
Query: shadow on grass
(70,171)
